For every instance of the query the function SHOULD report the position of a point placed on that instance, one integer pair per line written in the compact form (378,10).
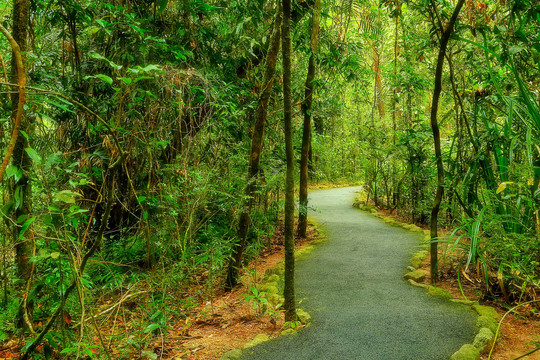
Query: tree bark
(255,152)
(306,110)
(445,38)
(288,292)
(23,188)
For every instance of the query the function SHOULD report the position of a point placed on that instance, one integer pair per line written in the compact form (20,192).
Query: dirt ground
(225,321)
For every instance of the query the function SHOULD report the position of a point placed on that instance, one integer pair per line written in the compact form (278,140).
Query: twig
(111,308)
(527,354)
(500,322)
(79,271)
(79,104)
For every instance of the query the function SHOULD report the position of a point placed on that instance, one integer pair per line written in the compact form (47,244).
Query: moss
(487,311)
(467,352)
(422,254)
(278,271)
(303,316)
(463,302)
(232,355)
(269,288)
(273,299)
(304,251)
(438,292)
(273,278)
(487,322)
(259,339)
(416,262)
(416,275)
(412,227)
(414,283)
(483,339)
(288,332)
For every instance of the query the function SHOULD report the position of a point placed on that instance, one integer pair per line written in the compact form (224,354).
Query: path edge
(487,317)
(270,284)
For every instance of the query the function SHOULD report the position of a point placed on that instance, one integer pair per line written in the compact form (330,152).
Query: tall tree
(21,190)
(445,38)
(289,303)
(255,151)
(306,110)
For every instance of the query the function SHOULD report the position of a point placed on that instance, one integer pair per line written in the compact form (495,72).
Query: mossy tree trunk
(21,191)
(255,152)
(306,110)
(289,303)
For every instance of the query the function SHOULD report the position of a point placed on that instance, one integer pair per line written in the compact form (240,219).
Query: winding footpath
(361,308)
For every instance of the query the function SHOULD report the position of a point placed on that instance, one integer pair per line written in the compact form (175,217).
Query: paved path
(361,307)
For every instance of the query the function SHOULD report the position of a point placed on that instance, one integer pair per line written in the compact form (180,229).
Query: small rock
(414,283)
(259,339)
(273,299)
(467,352)
(416,262)
(412,227)
(273,278)
(269,288)
(438,292)
(487,322)
(464,302)
(288,332)
(232,355)
(411,268)
(422,254)
(303,316)
(416,276)
(483,339)
(487,311)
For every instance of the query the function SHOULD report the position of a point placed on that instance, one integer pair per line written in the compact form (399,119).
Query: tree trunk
(288,293)
(437,139)
(23,188)
(306,110)
(255,152)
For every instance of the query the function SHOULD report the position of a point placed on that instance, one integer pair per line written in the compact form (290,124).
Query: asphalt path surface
(360,305)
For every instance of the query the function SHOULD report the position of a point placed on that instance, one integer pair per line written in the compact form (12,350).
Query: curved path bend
(361,308)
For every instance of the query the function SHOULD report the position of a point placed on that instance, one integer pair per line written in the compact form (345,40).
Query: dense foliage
(130,173)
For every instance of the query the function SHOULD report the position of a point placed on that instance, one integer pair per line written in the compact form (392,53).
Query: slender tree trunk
(23,188)
(394,107)
(255,152)
(437,139)
(306,135)
(288,293)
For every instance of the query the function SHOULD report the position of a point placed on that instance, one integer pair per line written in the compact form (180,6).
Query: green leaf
(151,328)
(55,255)
(29,343)
(67,196)
(163,5)
(515,49)
(25,226)
(33,155)
(151,67)
(105,78)
(11,171)
(503,186)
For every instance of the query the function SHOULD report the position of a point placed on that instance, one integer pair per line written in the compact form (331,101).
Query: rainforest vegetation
(152,144)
